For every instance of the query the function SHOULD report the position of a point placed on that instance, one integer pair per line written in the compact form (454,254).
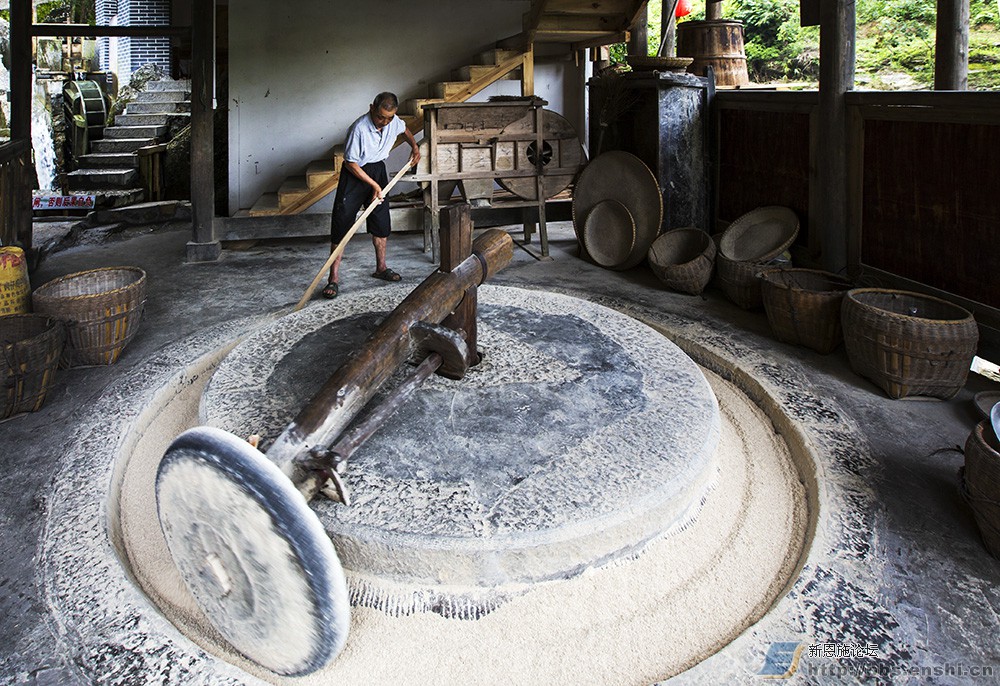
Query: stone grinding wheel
(252,553)
(560,149)
(623,177)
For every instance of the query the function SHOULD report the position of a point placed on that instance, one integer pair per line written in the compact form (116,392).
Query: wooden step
(292,190)
(450,89)
(319,171)
(495,56)
(415,106)
(265,206)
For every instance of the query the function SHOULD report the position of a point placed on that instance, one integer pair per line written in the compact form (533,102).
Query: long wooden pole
(951,53)
(339,250)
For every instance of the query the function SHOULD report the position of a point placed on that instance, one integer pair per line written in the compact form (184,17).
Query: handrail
(13,149)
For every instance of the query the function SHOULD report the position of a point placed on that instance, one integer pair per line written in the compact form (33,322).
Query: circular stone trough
(582,435)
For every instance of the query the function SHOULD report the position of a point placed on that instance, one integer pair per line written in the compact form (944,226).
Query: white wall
(301,72)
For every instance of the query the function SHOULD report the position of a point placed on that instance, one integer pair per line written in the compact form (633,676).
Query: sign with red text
(63,202)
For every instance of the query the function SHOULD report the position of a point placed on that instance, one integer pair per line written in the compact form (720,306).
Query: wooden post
(951,53)
(456,246)
(668,29)
(528,72)
(638,41)
(713,10)
(19,205)
(836,77)
(204,246)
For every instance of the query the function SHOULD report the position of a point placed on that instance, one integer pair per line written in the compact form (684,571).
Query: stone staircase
(112,166)
(298,192)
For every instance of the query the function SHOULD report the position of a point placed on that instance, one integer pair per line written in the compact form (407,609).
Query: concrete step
(157,107)
(102,178)
(319,171)
(120,144)
(266,205)
(162,96)
(293,189)
(415,106)
(119,132)
(108,160)
(169,85)
(495,56)
(154,119)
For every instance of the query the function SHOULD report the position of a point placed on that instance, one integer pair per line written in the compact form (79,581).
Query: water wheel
(86,112)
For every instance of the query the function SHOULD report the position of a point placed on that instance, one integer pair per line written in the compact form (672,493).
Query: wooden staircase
(578,24)
(321,176)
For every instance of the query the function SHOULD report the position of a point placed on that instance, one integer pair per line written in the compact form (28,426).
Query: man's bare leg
(335,267)
(379,244)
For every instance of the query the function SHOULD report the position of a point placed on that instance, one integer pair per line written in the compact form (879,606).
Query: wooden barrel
(717,43)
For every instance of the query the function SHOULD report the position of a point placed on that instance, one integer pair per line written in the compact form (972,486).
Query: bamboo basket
(746,247)
(32,346)
(981,483)
(683,259)
(803,306)
(908,343)
(101,308)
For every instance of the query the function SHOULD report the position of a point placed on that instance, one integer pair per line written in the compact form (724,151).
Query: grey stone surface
(898,561)
(581,435)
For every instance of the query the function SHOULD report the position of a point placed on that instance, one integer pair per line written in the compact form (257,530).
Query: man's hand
(376,194)
(415,157)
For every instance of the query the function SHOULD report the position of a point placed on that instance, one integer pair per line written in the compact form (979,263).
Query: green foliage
(66,11)
(775,43)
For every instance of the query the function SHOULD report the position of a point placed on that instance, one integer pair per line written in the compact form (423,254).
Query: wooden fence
(924,193)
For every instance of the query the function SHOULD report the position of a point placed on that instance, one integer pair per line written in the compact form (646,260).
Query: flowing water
(41,136)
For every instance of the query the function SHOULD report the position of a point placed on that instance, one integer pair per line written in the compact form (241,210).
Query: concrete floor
(931,595)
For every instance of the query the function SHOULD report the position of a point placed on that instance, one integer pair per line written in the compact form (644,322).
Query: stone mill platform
(581,435)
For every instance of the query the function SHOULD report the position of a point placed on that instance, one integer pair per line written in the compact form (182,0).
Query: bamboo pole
(339,250)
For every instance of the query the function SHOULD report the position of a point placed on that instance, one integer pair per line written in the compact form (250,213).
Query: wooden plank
(581,23)
(599,41)
(266,205)
(622,7)
(528,71)
(87,31)
(202,123)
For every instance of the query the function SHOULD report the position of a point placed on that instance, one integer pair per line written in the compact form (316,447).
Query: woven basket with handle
(101,309)
(746,247)
(981,483)
(803,306)
(683,259)
(908,343)
(32,345)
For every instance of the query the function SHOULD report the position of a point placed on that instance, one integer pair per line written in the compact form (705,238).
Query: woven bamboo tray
(803,306)
(683,259)
(981,483)
(908,343)
(32,345)
(101,308)
(760,235)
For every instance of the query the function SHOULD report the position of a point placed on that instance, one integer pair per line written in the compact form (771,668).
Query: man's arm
(415,156)
(356,169)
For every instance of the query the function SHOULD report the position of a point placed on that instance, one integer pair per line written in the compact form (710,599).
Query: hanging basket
(803,306)
(908,343)
(683,259)
(981,483)
(32,346)
(101,308)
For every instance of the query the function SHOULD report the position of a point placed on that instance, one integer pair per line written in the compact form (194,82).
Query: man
(369,141)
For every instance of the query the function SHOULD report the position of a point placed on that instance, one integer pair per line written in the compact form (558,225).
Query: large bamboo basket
(746,247)
(803,306)
(683,259)
(101,308)
(32,345)
(908,343)
(981,483)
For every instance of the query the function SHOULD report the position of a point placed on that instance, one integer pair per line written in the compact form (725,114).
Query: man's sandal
(331,290)
(387,275)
